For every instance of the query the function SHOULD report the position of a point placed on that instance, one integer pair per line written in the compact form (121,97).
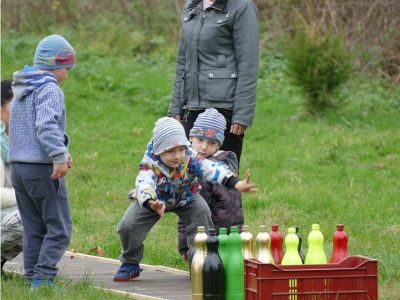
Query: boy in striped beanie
(168,182)
(207,136)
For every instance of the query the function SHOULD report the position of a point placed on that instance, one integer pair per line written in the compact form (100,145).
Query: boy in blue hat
(39,157)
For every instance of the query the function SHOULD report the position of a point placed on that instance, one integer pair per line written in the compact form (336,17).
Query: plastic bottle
(276,244)
(300,243)
(315,253)
(234,267)
(263,241)
(222,246)
(247,242)
(291,256)
(339,240)
(213,270)
(196,269)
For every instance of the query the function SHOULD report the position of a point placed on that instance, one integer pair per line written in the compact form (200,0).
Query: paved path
(155,282)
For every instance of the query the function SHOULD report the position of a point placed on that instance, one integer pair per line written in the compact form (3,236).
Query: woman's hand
(158,206)
(238,129)
(176,117)
(246,185)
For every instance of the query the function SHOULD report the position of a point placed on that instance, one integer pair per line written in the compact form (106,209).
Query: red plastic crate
(355,277)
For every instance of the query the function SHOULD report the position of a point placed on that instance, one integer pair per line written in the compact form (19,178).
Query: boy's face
(5,114)
(173,157)
(60,74)
(204,147)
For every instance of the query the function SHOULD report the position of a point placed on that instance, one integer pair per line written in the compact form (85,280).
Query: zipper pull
(204,15)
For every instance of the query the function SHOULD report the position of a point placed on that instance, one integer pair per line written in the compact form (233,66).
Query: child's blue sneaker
(127,272)
(38,282)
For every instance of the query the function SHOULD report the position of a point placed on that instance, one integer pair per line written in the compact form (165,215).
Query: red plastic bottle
(339,245)
(276,244)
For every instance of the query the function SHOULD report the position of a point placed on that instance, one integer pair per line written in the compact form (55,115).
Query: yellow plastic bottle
(315,253)
(291,256)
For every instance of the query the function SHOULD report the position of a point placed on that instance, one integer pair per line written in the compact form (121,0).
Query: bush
(318,63)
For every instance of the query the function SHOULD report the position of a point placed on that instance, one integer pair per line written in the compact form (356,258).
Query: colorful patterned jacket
(176,186)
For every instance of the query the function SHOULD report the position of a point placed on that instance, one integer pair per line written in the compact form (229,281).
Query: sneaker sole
(126,279)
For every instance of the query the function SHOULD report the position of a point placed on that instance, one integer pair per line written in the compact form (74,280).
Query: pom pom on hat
(210,124)
(54,52)
(167,134)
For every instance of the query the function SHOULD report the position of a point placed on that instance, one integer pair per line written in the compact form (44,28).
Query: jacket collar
(218,4)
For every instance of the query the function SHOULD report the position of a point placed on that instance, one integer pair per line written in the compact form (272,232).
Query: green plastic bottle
(234,271)
(291,256)
(315,253)
(222,248)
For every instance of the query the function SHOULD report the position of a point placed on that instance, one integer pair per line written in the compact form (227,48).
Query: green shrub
(318,63)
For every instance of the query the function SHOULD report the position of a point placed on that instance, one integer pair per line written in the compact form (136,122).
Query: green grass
(342,166)
(15,287)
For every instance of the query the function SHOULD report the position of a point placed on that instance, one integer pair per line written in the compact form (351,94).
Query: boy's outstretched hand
(158,206)
(246,185)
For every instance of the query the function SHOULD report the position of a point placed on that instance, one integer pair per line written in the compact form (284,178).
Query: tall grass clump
(317,62)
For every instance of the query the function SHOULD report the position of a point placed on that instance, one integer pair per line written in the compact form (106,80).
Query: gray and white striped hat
(210,124)
(167,134)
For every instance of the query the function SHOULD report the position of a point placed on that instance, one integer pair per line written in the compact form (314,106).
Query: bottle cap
(297,228)
(211,232)
(339,226)
(291,230)
(234,229)
(201,229)
(262,228)
(246,228)
(275,227)
(315,227)
(222,230)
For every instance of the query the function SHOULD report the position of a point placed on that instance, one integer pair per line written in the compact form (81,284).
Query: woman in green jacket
(217,65)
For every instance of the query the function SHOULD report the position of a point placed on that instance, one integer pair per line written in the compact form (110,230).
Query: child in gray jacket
(168,182)
(39,157)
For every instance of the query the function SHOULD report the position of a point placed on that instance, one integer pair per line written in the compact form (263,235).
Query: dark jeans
(232,142)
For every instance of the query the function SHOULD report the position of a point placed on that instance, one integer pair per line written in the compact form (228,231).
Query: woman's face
(5,114)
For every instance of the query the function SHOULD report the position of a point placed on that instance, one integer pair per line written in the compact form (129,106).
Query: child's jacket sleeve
(49,114)
(146,182)
(214,172)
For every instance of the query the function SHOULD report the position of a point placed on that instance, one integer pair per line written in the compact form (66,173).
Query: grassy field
(14,287)
(342,166)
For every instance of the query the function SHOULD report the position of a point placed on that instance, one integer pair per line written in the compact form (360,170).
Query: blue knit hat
(54,52)
(167,134)
(210,124)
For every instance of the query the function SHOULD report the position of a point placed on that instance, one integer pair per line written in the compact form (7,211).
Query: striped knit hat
(54,52)
(209,125)
(167,134)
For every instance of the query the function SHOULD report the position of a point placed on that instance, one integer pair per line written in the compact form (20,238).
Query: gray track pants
(138,221)
(44,209)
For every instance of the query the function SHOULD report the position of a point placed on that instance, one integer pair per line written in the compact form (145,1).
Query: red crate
(355,277)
